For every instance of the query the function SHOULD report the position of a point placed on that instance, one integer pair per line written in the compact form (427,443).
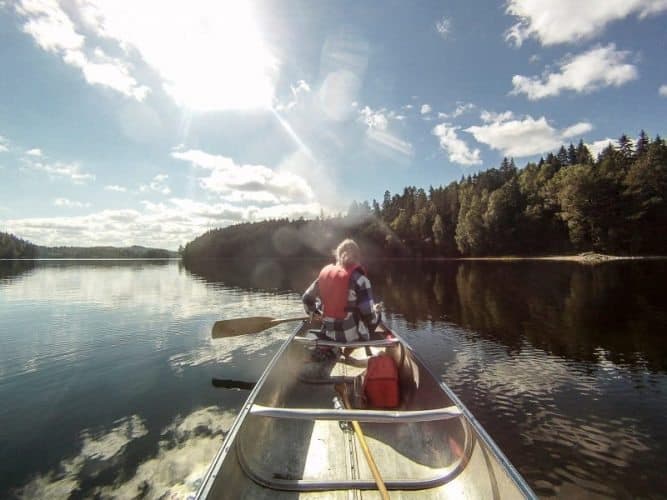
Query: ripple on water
(545,411)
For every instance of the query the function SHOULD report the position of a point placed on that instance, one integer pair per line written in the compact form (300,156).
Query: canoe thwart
(377,416)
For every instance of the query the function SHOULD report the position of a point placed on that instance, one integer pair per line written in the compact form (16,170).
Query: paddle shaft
(364,447)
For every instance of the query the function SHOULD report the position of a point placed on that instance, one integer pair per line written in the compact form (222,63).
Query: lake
(106,366)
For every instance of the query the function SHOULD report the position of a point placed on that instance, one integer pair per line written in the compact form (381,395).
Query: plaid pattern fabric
(360,318)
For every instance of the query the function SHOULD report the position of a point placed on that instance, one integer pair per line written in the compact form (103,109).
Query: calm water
(106,367)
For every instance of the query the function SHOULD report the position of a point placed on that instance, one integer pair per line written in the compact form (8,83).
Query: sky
(147,122)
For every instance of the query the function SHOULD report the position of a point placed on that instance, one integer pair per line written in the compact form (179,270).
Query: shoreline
(584,258)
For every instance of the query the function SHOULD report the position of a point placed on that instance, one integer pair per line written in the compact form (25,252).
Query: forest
(566,203)
(12,247)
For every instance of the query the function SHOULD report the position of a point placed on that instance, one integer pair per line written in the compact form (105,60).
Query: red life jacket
(334,283)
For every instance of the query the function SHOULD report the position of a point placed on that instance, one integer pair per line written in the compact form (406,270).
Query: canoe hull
(429,447)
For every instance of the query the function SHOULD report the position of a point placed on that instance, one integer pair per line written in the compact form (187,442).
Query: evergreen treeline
(12,247)
(566,203)
(133,252)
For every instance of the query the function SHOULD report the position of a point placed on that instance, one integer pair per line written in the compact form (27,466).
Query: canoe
(292,440)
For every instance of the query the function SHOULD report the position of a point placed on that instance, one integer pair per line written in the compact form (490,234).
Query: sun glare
(210,54)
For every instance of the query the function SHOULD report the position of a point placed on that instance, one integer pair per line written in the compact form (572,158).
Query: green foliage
(12,247)
(133,252)
(567,202)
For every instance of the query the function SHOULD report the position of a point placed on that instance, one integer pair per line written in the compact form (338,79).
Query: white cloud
(490,116)
(299,90)
(598,146)
(591,70)
(526,137)
(568,21)
(54,31)
(158,184)
(67,203)
(377,132)
(461,108)
(576,130)
(374,119)
(663,90)
(226,177)
(425,109)
(444,27)
(161,225)
(71,171)
(301,86)
(458,150)
(107,72)
(49,25)
(4,145)
(209,55)
(34,152)
(114,187)
(164,225)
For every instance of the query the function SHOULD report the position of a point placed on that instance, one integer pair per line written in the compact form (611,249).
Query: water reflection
(263,274)
(563,364)
(11,269)
(568,309)
(185,449)
(85,344)
(108,366)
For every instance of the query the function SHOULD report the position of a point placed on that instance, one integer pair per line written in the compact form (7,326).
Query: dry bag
(381,386)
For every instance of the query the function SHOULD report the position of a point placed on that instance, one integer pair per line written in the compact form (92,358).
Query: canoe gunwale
(208,480)
(480,432)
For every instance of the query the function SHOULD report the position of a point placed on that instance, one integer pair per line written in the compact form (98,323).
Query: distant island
(12,247)
(567,204)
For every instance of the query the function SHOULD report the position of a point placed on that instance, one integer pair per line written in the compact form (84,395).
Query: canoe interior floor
(328,451)
(282,456)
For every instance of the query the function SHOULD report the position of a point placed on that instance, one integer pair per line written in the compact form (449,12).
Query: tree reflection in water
(567,309)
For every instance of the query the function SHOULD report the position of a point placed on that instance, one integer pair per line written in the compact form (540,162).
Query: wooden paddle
(245,326)
(341,389)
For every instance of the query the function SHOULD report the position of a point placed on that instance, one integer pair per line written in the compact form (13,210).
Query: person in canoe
(345,296)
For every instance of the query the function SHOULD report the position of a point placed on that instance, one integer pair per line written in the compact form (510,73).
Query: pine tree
(625,147)
(562,156)
(642,144)
(571,155)
(584,156)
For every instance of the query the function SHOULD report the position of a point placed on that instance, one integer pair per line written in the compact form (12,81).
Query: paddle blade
(240,326)
(233,384)
(244,326)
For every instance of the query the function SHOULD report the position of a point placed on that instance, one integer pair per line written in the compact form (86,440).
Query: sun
(209,54)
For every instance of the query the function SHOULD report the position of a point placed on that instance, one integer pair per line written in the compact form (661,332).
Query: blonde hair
(348,253)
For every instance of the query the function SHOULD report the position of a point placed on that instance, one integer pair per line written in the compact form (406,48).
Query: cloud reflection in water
(185,450)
